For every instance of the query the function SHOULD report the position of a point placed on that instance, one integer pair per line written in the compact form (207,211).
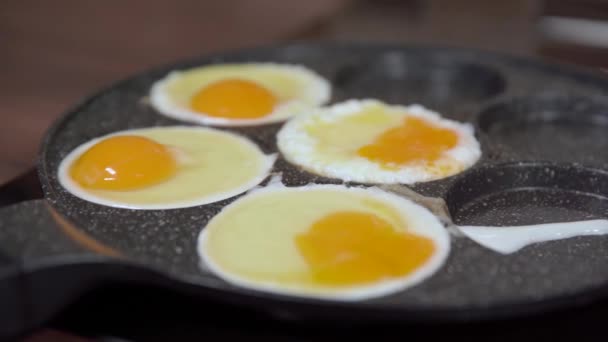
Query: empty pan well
(528,193)
(531,193)
(550,128)
(428,80)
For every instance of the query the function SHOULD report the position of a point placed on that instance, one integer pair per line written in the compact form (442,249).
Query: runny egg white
(239,94)
(508,240)
(324,241)
(369,141)
(164,167)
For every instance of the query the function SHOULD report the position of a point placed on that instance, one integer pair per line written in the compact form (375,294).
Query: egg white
(420,221)
(312,91)
(302,149)
(264,165)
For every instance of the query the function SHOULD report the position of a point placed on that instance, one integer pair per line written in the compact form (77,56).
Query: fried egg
(324,241)
(239,94)
(164,167)
(369,141)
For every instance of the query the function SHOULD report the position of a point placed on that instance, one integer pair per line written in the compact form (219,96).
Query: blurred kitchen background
(53,53)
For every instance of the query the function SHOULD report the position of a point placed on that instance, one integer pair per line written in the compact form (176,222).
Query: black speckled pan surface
(544,135)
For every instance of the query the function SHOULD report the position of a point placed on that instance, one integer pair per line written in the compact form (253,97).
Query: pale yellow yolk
(354,248)
(234,99)
(414,140)
(125,162)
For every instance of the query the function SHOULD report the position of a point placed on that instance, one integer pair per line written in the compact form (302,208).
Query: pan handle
(22,188)
(42,269)
(45,267)
(14,309)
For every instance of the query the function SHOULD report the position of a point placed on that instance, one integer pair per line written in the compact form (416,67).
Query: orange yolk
(415,140)
(352,248)
(234,99)
(125,162)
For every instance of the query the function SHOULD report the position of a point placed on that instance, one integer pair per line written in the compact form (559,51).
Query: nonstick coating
(543,133)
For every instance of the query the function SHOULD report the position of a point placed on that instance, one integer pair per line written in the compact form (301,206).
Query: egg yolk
(352,248)
(414,140)
(125,162)
(234,99)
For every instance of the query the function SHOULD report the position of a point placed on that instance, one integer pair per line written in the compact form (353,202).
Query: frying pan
(542,128)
